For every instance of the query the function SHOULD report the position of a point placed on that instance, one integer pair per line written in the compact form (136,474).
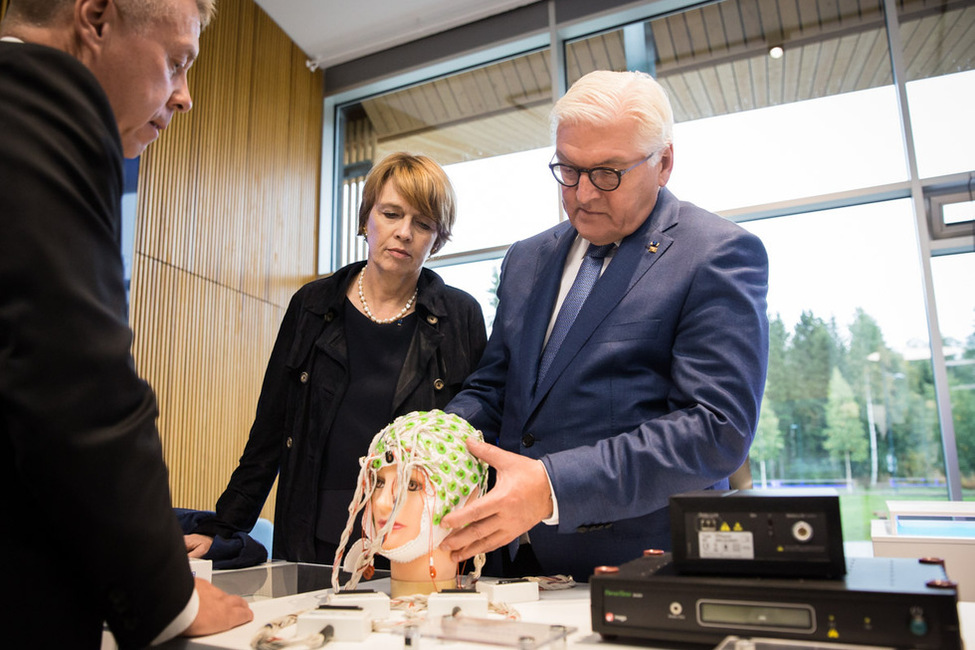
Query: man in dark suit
(90,535)
(655,388)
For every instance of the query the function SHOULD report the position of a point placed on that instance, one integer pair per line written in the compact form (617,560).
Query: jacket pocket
(645,329)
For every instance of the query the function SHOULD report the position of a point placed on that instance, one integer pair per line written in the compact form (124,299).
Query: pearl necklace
(383,321)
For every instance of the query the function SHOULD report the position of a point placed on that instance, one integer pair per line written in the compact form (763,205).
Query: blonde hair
(423,184)
(604,96)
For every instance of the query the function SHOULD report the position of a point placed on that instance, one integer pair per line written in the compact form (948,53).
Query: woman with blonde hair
(377,339)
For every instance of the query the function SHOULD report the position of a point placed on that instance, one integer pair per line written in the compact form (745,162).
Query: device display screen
(756,615)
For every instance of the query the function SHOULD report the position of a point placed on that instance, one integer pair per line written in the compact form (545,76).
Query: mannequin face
(428,447)
(407,524)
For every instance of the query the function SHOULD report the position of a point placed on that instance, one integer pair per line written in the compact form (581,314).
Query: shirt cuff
(554,519)
(182,621)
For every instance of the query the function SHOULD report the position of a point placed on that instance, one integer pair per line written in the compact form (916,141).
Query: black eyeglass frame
(554,167)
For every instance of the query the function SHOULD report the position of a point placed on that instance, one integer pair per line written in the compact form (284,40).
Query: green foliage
(816,426)
(495,281)
(961,378)
(845,433)
(769,440)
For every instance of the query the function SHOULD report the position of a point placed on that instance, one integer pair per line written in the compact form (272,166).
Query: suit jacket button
(288,442)
(528,440)
(303,378)
(438,384)
(432,319)
(329,317)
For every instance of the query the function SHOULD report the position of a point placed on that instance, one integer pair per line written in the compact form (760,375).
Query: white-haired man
(653,388)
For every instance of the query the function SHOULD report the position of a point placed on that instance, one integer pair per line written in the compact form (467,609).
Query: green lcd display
(756,615)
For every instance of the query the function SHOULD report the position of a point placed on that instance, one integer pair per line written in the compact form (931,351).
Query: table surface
(568,607)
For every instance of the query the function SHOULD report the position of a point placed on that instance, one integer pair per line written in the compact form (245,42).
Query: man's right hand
(219,611)
(197,545)
(520,499)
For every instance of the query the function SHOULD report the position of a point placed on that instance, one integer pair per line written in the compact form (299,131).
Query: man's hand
(219,611)
(519,499)
(197,545)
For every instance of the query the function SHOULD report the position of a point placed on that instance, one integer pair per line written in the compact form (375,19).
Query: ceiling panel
(330,32)
(712,60)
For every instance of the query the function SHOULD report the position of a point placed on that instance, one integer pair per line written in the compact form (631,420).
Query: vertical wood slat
(227,219)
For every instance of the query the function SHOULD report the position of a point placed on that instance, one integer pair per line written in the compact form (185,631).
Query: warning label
(727,545)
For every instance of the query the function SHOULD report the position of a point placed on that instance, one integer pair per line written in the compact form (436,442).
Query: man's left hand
(519,499)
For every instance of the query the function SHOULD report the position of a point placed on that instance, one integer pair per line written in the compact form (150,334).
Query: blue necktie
(592,264)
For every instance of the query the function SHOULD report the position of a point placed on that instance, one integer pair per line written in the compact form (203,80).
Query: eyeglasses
(606,179)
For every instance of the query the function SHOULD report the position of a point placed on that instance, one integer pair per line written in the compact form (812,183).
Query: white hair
(604,96)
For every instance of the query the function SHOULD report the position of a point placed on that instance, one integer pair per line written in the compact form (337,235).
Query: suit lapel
(545,289)
(637,253)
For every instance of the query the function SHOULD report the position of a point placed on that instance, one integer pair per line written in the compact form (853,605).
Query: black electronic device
(890,602)
(794,532)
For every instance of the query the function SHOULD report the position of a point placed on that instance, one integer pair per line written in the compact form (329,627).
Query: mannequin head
(417,470)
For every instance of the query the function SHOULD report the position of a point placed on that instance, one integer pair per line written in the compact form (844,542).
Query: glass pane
(952,213)
(502,199)
(480,279)
(753,129)
(488,127)
(956,315)
(850,395)
(940,64)
(786,152)
(130,210)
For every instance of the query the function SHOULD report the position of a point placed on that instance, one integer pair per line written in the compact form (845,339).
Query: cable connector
(347,623)
(509,591)
(375,603)
(450,602)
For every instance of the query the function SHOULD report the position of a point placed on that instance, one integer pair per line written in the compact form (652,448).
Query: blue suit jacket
(656,389)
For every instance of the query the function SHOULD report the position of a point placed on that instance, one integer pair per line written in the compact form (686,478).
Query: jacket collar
(430,298)
(636,255)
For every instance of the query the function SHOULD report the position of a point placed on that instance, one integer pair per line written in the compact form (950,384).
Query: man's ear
(667,166)
(91,17)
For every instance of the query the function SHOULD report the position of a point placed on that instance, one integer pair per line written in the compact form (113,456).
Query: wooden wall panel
(226,232)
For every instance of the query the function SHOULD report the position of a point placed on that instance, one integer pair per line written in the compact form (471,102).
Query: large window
(839,135)
(849,336)
(487,126)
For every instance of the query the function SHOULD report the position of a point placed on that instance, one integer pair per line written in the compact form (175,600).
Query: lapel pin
(652,248)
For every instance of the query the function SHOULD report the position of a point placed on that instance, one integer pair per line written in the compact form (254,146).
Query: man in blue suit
(656,387)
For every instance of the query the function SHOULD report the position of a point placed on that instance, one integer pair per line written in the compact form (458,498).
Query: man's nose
(585,190)
(181,100)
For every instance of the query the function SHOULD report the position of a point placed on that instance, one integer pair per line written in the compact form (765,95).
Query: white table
(569,607)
